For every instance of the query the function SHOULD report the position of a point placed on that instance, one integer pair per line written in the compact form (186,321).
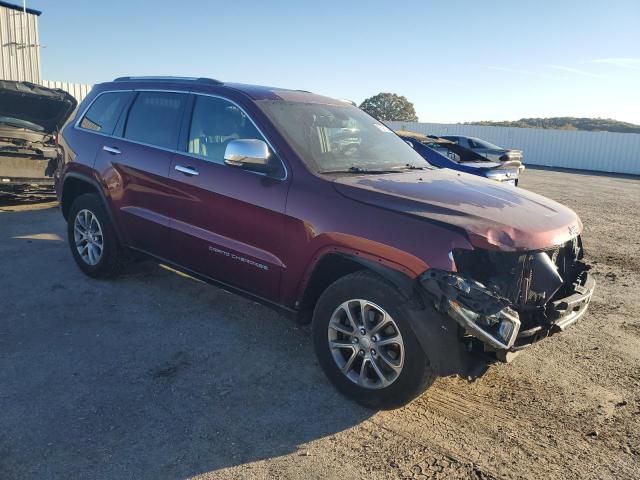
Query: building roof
(19,8)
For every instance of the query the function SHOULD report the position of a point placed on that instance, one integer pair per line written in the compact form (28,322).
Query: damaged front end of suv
(506,301)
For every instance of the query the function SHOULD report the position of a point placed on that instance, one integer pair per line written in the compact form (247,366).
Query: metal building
(19,43)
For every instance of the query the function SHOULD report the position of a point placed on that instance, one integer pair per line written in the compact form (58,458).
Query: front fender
(399,267)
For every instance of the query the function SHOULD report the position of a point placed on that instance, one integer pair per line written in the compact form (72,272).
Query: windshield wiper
(409,166)
(356,169)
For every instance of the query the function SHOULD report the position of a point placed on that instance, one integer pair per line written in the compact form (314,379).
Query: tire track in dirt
(487,429)
(417,459)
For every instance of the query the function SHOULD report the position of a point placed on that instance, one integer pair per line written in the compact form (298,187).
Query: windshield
(16,122)
(336,138)
(484,144)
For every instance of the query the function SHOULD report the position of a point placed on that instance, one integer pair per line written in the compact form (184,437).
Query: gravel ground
(156,375)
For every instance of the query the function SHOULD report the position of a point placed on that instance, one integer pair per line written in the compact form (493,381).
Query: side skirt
(282,309)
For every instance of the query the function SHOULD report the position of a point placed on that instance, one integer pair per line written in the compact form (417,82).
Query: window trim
(77,126)
(124,111)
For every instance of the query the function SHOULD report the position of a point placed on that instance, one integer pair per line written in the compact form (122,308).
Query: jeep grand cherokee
(310,205)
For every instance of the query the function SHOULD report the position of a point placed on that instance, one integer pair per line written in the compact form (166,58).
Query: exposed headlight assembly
(481,312)
(498,330)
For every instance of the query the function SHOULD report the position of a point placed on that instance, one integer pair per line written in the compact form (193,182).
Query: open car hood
(33,103)
(494,216)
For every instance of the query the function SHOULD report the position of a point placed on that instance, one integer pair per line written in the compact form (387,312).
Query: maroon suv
(308,204)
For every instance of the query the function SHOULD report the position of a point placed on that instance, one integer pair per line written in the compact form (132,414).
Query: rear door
(227,222)
(135,163)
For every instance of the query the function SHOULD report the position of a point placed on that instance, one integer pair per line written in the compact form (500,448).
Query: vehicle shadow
(150,375)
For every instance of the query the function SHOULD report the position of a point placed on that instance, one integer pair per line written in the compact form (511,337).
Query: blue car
(443,153)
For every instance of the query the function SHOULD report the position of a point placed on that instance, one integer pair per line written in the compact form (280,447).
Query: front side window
(154,118)
(333,138)
(104,112)
(215,122)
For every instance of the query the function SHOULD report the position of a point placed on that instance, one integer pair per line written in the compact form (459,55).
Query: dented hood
(46,107)
(494,216)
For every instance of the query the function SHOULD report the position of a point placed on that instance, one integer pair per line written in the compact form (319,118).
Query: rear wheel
(365,344)
(92,239)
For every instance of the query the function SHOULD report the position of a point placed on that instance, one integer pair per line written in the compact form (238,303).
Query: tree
(390,106)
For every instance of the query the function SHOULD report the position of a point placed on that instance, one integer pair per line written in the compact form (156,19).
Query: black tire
(416,375)
(112,258)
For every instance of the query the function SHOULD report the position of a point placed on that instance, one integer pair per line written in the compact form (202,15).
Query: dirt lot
(156,375)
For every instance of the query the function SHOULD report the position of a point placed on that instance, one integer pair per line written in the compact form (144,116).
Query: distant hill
(567,123)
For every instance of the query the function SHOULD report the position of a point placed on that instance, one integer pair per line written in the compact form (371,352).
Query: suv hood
(494,216)
(33,103)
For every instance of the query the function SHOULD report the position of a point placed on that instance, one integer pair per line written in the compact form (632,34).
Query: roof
(19,8)
(255,92)
(260,92)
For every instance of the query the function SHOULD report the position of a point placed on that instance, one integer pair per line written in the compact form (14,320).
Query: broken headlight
(480,311)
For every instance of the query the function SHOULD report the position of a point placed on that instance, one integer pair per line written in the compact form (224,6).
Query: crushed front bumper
(567,311)
(492,321)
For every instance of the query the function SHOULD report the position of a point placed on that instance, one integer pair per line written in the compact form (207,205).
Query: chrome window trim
(77,126)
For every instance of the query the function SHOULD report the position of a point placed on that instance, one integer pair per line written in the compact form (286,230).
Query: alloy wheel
(87,234)
(366,344)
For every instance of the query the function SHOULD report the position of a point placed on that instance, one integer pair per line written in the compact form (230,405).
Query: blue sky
(455,60)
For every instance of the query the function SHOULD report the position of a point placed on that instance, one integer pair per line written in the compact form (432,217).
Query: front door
(227,223)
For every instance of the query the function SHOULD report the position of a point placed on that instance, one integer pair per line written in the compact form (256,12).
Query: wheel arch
(76,184)
(336,264)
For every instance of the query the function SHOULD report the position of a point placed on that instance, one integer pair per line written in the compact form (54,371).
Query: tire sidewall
(415,375)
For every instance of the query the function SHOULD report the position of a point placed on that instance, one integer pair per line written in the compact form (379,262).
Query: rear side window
(154,118)
(104,112)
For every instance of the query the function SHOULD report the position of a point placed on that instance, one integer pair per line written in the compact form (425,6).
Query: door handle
(112,150)
(187,170)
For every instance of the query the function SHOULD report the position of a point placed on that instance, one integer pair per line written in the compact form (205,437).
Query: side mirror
(250,154)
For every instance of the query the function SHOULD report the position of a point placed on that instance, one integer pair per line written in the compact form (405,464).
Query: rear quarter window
(103,114)
(154,118)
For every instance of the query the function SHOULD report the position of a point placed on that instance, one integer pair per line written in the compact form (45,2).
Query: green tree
(390,106)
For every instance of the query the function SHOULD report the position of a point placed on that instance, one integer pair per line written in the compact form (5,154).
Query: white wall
(78,90)
(600,151)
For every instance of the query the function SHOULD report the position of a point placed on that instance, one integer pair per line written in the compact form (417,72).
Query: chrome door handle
(187,170)
(112,150)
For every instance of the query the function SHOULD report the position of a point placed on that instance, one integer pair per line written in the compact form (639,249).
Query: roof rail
(209,81)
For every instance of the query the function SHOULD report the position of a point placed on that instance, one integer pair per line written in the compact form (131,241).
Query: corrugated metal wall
(78,90)
(19,46)
(599,151)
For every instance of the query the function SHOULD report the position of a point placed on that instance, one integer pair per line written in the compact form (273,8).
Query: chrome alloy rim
(366,344)
(87,234)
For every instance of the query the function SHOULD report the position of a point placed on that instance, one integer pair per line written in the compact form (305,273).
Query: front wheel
(365,344)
